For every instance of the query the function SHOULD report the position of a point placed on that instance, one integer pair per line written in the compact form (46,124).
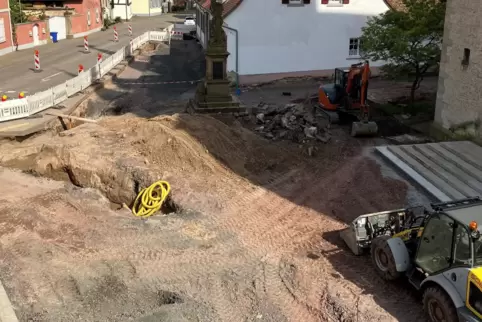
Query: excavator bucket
(364,128)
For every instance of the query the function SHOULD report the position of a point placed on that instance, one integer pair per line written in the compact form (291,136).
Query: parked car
(189,21)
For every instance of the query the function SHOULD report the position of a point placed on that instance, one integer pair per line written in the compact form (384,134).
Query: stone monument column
(214,92)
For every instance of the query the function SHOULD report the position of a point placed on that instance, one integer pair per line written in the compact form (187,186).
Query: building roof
(228,6)
(395,4)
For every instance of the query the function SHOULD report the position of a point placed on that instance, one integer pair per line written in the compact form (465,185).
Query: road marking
(13,127)
(49,77)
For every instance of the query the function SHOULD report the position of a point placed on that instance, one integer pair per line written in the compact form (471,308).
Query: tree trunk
(415,85)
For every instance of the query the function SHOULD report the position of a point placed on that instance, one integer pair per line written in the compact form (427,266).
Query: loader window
(435,249)
(462,255)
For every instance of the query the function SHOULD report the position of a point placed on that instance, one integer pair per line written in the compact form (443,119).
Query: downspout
(12,27)
(237,51)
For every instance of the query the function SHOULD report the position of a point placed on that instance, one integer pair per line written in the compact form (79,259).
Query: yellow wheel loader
(439,252)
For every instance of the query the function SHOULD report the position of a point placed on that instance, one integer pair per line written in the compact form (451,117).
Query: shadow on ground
(344,186)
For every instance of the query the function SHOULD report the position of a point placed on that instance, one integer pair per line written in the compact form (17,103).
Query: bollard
(81,68)
(99,58)
(116,35)
(130,31)
(86,45)
(4,98)
(21,95)
(36,59)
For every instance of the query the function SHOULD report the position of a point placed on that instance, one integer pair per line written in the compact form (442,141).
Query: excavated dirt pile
(121,155)
(254,236)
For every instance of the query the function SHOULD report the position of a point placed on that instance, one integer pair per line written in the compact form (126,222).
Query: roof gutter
(237,51)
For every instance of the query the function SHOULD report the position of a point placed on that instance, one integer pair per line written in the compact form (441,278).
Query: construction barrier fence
(38,102)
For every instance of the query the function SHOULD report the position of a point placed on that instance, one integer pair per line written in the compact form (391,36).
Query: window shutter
(324,1)
(346,1)
(306,1)
(285,1)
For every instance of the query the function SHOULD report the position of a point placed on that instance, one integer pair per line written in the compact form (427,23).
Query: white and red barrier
(99,58)
(116,35)
(130,31)
(81,68)
(86,45)
(36,59)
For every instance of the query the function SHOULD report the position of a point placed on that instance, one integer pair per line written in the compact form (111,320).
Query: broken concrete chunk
(269,135)
(259,129)
(292,118)
(298,109)
(323,138)
(260,118)
(311,131)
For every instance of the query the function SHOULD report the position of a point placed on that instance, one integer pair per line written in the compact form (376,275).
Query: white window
(88,18)
(2,31)
(354,49)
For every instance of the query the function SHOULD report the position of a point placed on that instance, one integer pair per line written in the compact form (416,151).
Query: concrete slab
(447,170)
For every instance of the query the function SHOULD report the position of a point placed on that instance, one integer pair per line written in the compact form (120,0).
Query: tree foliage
(18,16)
(408,40)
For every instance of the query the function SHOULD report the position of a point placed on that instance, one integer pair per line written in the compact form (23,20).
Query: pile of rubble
(300,123)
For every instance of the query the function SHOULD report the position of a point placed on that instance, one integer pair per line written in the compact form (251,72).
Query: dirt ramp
(119,156)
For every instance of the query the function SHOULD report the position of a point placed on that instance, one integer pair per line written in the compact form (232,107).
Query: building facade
(459,94)
(269,40)
(6,38)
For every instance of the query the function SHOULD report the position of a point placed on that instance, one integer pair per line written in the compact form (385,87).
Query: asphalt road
(59,62)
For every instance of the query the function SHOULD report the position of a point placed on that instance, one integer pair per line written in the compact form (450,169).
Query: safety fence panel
(118,57)
(106,66)
(143,38)
(85,79)
(158,36)
(60,93)
(14,109)
(95,72)
(73,86)
(40,101)
(20,108)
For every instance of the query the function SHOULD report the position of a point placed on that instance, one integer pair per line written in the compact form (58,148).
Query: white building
(122,9)
(272,39)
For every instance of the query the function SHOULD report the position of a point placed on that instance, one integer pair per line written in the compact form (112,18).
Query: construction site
(250,230)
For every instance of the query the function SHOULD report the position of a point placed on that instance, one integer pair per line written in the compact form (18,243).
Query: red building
(6,44)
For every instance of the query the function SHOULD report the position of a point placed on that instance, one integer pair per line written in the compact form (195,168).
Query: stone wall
(459,96)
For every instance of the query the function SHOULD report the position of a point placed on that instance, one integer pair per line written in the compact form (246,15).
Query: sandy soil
(251,231)
(254,236)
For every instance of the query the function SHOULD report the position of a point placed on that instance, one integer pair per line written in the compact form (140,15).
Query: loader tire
(383,260)
(438,306)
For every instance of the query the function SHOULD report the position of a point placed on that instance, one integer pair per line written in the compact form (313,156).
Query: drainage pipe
(237,51)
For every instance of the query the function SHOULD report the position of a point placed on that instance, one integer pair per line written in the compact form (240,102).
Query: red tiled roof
(395,4)
(206,4)
(228,6)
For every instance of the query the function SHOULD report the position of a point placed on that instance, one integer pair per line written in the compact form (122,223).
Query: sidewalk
(59,62)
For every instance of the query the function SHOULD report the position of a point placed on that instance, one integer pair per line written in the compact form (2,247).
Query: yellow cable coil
(150,200)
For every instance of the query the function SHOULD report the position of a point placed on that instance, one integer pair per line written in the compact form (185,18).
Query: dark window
(218,70)
(466,59)
(475,298)
(462,255)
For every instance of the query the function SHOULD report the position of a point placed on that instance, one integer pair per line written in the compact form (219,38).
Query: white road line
(46,79)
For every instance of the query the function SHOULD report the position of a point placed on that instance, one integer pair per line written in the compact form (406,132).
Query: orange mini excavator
(348,94)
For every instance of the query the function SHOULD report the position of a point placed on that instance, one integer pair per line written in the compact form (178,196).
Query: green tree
(18,16)
(408,40)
